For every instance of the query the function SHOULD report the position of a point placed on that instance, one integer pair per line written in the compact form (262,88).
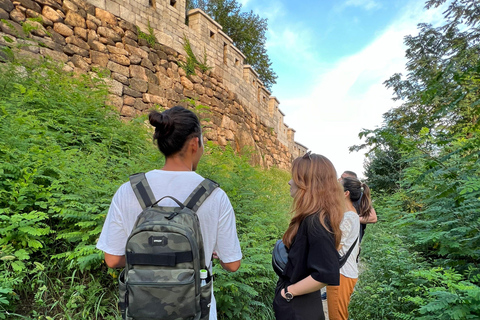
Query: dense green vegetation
(63,153)
(422,258)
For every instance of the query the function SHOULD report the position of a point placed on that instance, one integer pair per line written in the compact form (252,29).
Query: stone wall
(101,35)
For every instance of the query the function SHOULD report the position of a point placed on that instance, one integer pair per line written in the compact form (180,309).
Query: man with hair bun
(179,138)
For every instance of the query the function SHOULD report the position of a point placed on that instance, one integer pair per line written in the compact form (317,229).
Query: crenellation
(273,104)
(290,134)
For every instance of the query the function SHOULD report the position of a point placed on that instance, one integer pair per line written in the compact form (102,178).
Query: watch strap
(288,295)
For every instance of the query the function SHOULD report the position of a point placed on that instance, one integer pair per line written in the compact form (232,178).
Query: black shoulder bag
(280,257)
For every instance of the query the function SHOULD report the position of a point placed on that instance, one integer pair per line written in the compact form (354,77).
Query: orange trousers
(338,298)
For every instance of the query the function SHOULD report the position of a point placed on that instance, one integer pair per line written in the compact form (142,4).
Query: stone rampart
(102,35)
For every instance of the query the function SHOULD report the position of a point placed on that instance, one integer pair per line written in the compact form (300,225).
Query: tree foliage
(247,31)
(431,144)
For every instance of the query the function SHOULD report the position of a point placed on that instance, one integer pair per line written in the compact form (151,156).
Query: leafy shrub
(57,173)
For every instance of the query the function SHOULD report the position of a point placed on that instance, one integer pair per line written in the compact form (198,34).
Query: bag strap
(200,194)
(142,190)
(344,259)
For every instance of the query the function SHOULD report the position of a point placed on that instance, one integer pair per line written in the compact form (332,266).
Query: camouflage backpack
(164,255)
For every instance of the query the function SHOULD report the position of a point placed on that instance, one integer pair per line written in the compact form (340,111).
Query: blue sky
(331,58)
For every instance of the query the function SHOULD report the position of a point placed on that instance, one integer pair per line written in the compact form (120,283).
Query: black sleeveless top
(313,253)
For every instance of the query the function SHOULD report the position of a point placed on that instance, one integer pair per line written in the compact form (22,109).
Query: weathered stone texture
(109,34)
(63,29)
(75,20)
(120,59)
(29,4)
(99,58)
(105,16)
(115,67)
(139,85)
(51,14)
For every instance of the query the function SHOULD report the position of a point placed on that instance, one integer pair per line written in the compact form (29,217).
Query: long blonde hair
(319,193)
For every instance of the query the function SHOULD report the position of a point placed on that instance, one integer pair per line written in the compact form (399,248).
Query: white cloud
(292,43)
(365,4)
(350,96)
(244,3)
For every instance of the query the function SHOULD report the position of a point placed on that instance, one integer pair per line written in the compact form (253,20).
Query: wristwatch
(288,295)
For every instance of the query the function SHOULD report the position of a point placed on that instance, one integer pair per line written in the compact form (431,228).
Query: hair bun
(163,124)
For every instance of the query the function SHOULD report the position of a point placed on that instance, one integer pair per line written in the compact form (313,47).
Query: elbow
(113,261)
(232,266)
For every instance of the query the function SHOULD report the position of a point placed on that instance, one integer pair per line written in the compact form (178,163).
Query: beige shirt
(350,227)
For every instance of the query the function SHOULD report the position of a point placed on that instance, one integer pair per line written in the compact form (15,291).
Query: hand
(282,293)
(214,255)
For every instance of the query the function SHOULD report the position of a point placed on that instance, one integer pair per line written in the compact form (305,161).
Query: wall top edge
(238,51)
(268,92)
(281,112)
(198,11)
(301,145)
(247,66)
(275,98)
(226,36)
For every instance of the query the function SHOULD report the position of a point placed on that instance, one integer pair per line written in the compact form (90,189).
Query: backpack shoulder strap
(201,192)
(344,259)
(142,189)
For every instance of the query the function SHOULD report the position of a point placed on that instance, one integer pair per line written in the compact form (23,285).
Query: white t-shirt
(216,216)
(350,227)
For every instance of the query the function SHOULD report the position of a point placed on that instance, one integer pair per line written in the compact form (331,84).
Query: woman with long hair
(338,297)
(312,238)
(367,215)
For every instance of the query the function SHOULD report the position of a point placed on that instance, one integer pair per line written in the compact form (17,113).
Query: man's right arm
(114,261)
(227,239)
(229,266)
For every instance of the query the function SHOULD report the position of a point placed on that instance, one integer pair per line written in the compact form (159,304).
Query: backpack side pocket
(206,299)
(122,291)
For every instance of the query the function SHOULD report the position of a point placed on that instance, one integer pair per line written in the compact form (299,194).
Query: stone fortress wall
(91,35)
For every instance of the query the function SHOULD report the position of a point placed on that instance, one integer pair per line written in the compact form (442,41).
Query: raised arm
(371,218)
